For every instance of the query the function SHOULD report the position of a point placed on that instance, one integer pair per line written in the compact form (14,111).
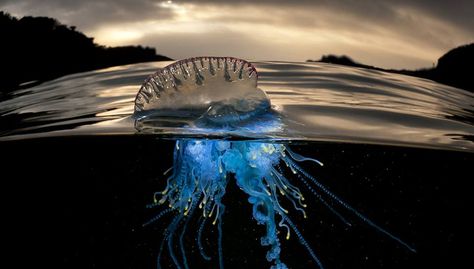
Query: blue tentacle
(174,225)
(321,199)
(199,241)
(302,240)
(188,218)
(348,207)
(219,240)
(157,217)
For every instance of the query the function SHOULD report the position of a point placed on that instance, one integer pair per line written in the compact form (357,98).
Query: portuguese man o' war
(220,94)
(206,92)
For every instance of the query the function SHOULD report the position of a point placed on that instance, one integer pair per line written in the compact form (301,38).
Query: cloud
(393,34)
(88,14)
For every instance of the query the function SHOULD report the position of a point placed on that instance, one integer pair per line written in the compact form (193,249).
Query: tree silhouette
(41,48)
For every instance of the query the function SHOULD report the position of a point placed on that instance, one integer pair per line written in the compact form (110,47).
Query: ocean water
(320,102)
(399,149)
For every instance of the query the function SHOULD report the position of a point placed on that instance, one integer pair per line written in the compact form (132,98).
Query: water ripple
(317,101)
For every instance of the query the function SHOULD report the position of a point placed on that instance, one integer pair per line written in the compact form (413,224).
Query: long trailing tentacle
(302,240)
(347,206)
(199,240)
(323,201)
(158,258)
(188,218)
(219,239)
(166,234)
(181,244)
(174,226)
(157,217)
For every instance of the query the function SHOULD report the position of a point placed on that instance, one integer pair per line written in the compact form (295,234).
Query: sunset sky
(391,34)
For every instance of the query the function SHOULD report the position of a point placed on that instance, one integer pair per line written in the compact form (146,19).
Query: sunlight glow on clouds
(384,34)
(176,8)
(116,36)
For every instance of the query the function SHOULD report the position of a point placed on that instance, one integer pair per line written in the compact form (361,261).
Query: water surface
(317,101)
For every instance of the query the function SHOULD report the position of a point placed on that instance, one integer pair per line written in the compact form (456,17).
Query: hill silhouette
(342,60)
(455,68)
(41,48)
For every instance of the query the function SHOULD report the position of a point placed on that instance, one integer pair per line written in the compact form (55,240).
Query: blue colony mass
(220,95)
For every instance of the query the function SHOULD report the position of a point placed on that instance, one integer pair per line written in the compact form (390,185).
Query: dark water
(83,199)
(77,174)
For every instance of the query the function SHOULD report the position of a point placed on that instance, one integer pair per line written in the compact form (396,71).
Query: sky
(390,34)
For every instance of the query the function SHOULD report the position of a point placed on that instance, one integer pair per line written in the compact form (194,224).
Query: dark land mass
(41,48)
(36,49)
(455,68)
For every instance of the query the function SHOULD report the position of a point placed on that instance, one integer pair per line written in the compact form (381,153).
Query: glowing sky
(393,34)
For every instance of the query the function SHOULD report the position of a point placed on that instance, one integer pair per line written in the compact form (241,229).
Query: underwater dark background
(81,201)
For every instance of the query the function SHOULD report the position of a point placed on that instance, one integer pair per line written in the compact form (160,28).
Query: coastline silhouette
(37,49)
(454,68)
(41,48)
